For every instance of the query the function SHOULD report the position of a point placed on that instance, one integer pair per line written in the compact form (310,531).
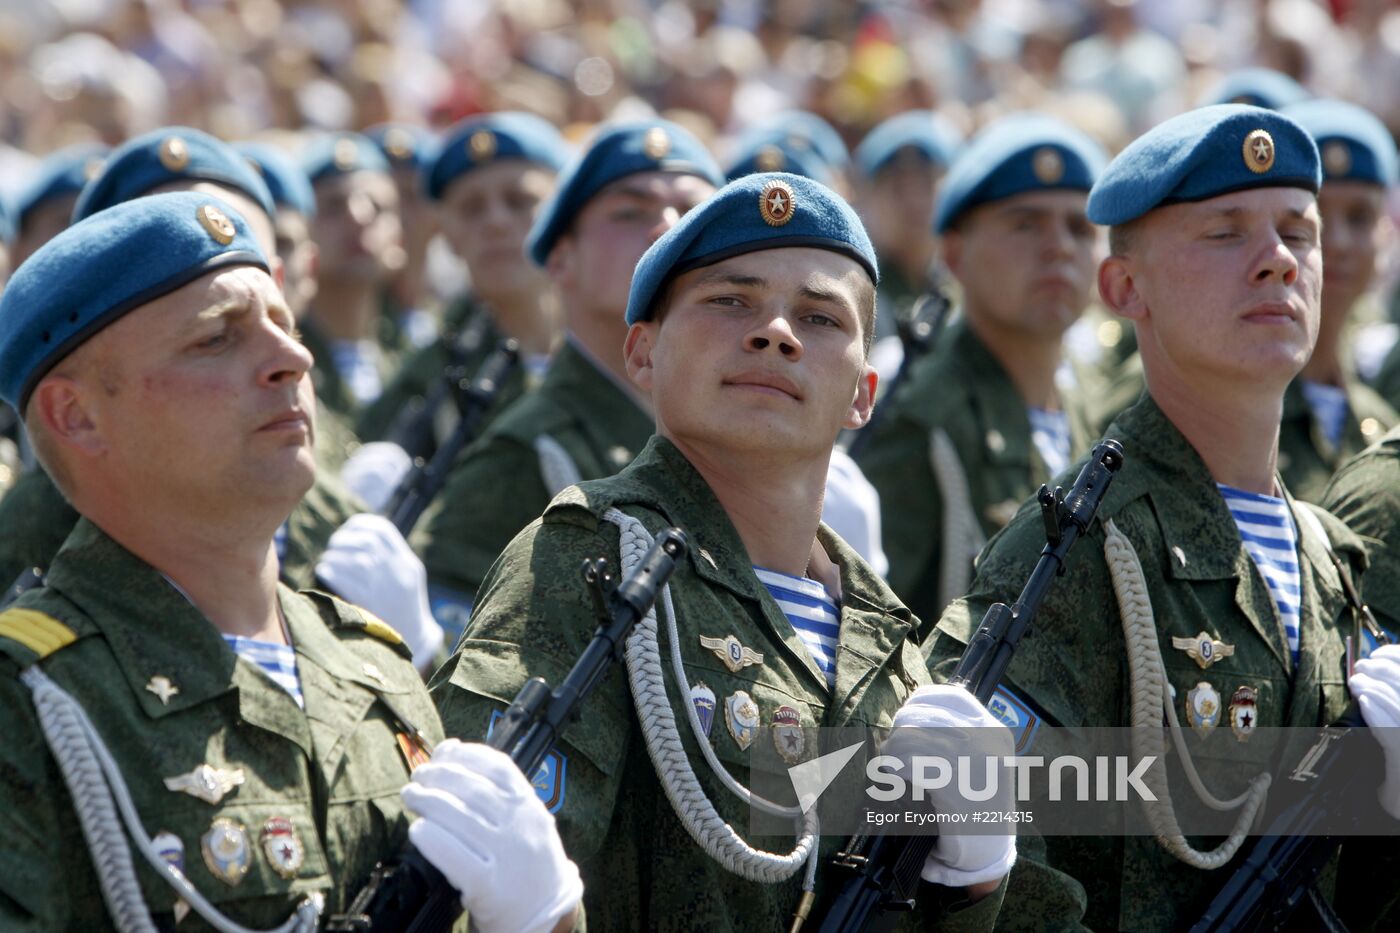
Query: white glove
(368,563)
(374,471)
(934,721)
(482,825)
(1376,686)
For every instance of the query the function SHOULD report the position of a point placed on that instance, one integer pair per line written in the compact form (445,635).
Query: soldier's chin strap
(688,798)
(103,803)
(1149,700)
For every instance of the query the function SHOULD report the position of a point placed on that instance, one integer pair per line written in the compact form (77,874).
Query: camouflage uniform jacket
(334,770)
(332,391)
(641,869)
(1365,493)
(1073,669)
(36,519)
(499,487)
(1306,459)
(963,392)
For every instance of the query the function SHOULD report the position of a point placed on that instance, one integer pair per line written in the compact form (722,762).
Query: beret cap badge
(656,144)
(770,159)
(174,154)
(776,203)
(482,145)
(1259,151)
(398,143)
(1048,166)
(216,223)
(345,154)
(1336,158)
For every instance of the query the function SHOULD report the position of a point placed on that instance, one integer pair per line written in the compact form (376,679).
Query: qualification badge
(1203,708)
(741,716)
(225,849)
(735,656)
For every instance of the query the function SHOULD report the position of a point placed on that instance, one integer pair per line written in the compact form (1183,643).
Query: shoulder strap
(1358,606)
(342,615)
(28,635)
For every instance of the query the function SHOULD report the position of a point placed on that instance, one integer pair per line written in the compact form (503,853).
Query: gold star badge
(216,224)
(1336,158)
(1048,165)
(345,154)
(656,144)
(481,145)
(770,159)
(1259,152)
(776,203)
(1203,649)
(162,688)
(174,154)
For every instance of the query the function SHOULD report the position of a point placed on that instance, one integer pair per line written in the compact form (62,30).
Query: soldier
(487,183)
(585,421)
(45,205)
(1365,493)
(981,423)
(1200,559)
(750,329)
(410,150)
(1329,415)
(186,699)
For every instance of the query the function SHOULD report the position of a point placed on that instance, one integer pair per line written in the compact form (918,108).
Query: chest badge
(741,717)
(283,849)
(225,849)
(703,699)
(205,782)
(1203,708)
(1203,649)
(787,734)
(163,688)
(171,849)
(735,656)
(1244,712)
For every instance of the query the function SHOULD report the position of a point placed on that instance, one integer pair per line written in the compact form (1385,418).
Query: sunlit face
(594,260)
(357,227)
(201,397)
(1026,263)
(1355,229)
(761,352)
(299,256)
(897,204)
(1228,288)
(485,216)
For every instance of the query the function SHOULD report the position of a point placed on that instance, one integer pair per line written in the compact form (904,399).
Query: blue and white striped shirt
(1266,528)
(1050,434)
(278,662)
(812,612)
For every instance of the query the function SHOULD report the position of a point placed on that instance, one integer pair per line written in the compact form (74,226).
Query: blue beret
(481,140)
(617,151)
(342,153)
(171,154)
(1354,145)
(1016,154)
(778,152)
(62,173)
(805,128)
(106,266)
(288,183)
(757,212)
(405,145)
(923,131)
(1202,154)
(1258,87)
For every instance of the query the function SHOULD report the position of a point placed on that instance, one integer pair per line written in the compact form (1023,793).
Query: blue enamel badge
(703,699)
(1016,715)
(549,779)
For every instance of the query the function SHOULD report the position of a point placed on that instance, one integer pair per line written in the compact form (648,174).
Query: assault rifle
(878,875)
(474,400)
(409,895)
(412,427)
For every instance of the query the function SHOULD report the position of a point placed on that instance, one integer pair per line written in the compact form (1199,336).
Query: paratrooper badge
(163,688)
(216,223)
(225,849)
(741,717)
(776,203)
(703,699)
(1258,151)
(1203,708)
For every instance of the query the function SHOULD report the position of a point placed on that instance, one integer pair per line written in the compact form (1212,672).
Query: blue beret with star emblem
(802,127)
(290,187)
(106,266)
(1203,154)
(478,141)
(341,154)
(777,152)
(771,210)
(1353,144)
(65,172)
(1258,87)
(172,154)
(921,131)
(1014,155)
(615,152)
(405,145)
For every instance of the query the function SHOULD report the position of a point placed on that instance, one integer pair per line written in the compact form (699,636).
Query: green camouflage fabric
(1306,459)
(1387,378)
(497,488)
(37,519)
(1365,493)
(641,869)
(469,337)
(334,770)
(1119,390)
(962,390)
(331,389)
(1073,669)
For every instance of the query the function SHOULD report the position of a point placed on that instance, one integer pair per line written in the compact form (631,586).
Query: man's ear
(1119,289)
(950,248)
(559,264)
(863,405)
(637,350)
(62,405)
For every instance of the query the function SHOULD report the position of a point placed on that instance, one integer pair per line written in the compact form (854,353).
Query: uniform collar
(606,413)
